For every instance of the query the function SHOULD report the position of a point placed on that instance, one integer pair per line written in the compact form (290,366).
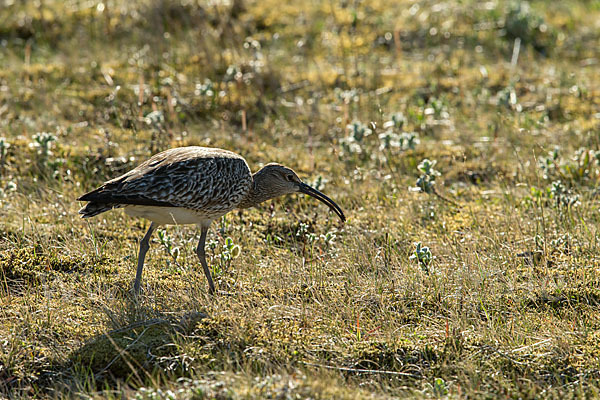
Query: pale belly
(169,215)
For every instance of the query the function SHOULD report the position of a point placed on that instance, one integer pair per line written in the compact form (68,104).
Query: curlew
(193,185)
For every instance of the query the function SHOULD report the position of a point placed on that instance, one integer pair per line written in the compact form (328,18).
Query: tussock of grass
(25,266)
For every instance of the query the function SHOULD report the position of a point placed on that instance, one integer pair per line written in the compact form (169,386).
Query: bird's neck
(258,192)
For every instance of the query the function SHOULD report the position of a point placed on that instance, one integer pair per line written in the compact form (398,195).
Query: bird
(193,185)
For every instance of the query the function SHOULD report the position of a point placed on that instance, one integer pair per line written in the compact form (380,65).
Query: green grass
(508,306)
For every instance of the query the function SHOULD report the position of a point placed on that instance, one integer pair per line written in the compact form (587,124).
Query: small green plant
(328,238)
(396,121)
(426,181)
(302,229)
(580,167)
(328,243)
(206,89)
(167,241)
(507,98)
(4,146)
(423,256)
(232,74)
(358,131)
(563,198)
(304,234)
(556,194)
(319,183)
(347,96)
(229,252)
(438,108)
(42,142)
(564,243)
(405,141)
(273,239)
(155,118)
(353,143)
(9,187)
(523,23)
(46,165)
(211,244)
(439,387)
(550,164)
(409,140)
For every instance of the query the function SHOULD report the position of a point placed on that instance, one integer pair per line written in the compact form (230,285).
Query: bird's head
(277,180)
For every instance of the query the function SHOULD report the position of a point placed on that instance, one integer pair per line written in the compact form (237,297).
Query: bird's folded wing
(189,182)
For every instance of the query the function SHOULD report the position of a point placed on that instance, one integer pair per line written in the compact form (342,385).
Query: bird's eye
(289,177)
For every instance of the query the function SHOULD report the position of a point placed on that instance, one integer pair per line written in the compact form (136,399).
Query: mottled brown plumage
(193,185)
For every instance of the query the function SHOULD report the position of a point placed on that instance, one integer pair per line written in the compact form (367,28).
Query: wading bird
(193,185)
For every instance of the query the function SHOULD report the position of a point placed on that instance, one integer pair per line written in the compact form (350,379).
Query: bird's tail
(92,208)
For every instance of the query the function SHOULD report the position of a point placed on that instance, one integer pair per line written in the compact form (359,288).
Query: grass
(353,96)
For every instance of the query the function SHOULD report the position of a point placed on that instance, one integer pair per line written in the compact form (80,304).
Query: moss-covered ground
(504,301)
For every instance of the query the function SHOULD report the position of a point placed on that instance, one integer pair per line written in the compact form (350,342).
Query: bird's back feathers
(197,178)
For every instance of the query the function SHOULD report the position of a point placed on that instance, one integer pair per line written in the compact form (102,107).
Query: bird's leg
(144,246)
(202,256)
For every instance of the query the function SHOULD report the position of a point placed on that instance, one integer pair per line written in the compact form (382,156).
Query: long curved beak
(304,188)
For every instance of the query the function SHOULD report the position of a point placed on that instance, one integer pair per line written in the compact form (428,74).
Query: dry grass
(509,305)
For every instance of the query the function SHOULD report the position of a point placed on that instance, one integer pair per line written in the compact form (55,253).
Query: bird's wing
(183,177)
